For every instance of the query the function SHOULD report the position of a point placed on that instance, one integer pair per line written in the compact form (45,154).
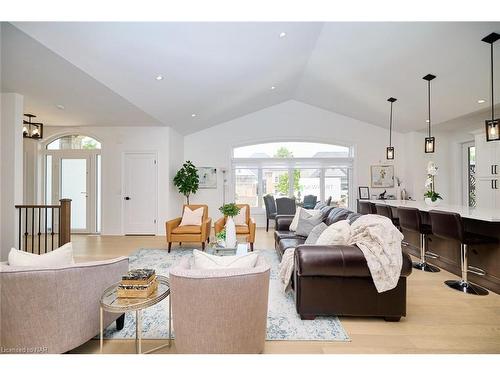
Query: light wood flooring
(439,320)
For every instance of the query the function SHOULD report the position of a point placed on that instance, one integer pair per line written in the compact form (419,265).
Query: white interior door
(139,193)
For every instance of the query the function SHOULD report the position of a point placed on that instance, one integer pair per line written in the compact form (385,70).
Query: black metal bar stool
(410,219)
(450,226)
(366,207)
(385,210)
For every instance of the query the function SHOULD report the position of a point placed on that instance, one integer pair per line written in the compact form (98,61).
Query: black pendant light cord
(429,104)
(390,129)
(492,88)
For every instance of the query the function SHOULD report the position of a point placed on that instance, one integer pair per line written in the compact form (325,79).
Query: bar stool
(366,207)
(450,226)
(385,210)
(410,219)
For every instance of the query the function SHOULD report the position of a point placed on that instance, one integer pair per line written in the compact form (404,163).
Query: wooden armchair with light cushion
(189,233)
(247,229)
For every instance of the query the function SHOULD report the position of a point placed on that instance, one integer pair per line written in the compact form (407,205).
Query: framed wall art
(382,176)
(208,177)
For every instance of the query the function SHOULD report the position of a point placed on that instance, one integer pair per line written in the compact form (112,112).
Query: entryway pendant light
(493,125)
(389,152)
(32,129)
(430,142)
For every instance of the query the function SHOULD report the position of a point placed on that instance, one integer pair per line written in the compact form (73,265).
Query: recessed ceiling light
(193,114)
(282,34)
(481,101)
(159,77)
(60,106)
(273,87)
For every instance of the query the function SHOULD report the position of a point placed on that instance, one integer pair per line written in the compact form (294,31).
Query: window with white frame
(292,169)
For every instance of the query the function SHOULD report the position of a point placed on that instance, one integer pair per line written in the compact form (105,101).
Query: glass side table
(111,303)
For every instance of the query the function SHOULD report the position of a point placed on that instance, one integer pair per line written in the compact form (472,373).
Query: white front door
(139,193)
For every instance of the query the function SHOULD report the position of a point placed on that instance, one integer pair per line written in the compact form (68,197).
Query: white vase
(429,202)
(230,233)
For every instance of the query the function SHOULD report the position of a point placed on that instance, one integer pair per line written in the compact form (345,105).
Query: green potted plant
(186,180)
(220,238)
(230,210)
(431,196)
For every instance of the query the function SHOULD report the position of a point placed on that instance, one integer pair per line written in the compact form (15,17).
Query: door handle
(492,169)
(127,198)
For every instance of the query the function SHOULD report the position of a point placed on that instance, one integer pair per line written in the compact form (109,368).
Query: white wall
(117,140)
(176,159)
(448,156)
(290,120)
(11,169)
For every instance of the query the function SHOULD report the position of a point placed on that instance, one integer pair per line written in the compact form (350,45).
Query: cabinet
(487,173)
(488,192)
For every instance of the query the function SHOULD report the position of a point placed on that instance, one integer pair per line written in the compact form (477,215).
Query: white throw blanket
(285,269)
(380,242)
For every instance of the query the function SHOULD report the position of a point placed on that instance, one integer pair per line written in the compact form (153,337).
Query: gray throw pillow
(319,205)
(353,217)
(315,233)
(307,222)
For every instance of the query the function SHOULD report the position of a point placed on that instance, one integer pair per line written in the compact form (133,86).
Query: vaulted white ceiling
(104,73)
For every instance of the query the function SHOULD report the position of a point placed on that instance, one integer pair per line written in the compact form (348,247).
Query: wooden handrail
(39,228)
(65,222)
(37,205)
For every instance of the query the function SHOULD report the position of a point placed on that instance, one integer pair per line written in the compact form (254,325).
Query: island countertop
(482,214)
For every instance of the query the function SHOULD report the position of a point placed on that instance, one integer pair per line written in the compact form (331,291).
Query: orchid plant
(432,171)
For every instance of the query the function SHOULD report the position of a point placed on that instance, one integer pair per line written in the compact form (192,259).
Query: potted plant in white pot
(230,210)
(431,196)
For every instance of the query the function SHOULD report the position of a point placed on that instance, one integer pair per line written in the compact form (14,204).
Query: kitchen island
(477,220)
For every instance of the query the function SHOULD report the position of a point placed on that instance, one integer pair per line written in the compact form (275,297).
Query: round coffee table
(111,303)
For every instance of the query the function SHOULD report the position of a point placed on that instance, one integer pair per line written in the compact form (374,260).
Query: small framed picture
(208,177)
(364,192)
(382,176)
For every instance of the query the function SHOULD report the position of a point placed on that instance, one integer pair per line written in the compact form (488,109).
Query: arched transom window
(74,142)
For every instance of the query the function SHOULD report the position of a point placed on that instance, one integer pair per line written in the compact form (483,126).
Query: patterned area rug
(283,322)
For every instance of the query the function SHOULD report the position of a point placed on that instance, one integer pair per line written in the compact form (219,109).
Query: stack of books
(138,283)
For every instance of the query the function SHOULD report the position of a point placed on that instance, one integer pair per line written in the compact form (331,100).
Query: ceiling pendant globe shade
(389,153)
(492,130)
(430,145)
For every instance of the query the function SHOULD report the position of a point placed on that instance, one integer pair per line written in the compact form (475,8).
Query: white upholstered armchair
(219,311)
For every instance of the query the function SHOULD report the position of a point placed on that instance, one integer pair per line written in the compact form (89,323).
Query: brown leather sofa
(335,280)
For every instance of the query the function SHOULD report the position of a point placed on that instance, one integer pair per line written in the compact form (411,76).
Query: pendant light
(430,142)
(32,130)
(389,152)
(493,125)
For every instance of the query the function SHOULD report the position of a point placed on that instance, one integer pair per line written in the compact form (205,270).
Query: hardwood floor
(440,320)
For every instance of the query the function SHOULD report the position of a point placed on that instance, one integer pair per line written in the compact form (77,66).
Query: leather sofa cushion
(287,243)
(280,234)
(187,229)
(344,261)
